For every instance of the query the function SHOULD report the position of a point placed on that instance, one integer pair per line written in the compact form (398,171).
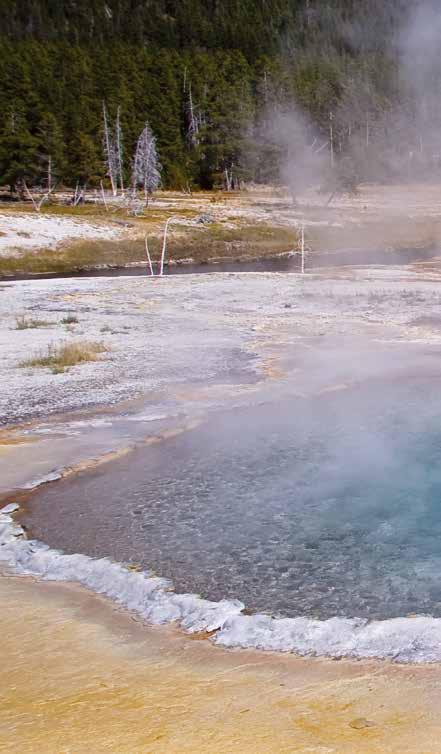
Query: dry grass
(59,358)
(23,322)
(70,319)
(201,244)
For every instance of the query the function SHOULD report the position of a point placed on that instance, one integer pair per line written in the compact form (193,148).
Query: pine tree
(60,61)
(19,161)
(52,157)
(85,160)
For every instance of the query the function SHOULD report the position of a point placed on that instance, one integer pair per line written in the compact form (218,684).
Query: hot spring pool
(321,507)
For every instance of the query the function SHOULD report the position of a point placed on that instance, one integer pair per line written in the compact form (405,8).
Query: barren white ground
(205,330)
(24,232)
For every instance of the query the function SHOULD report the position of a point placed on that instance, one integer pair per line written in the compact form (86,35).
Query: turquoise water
(320,507)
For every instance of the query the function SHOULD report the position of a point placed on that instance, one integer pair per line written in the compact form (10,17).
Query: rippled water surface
(320,507)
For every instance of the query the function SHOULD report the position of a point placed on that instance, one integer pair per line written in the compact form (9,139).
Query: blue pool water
(319,507)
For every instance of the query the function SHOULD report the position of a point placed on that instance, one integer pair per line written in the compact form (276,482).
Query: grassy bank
(199,244)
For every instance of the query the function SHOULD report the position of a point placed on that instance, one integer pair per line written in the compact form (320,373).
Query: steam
(420,66)
(419,49)
(301,150)
(380,130)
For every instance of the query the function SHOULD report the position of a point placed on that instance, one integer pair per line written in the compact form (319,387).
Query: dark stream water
(271,264)
(320,507)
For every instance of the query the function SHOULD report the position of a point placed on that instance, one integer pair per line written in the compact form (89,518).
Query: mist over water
(322,507)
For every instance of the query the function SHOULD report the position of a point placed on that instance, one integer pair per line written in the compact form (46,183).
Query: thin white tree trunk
(29,195)
(149,259)
(194,124)
(37,205)
(228,179)
(164,246)
(331,137)
(104,196)
(320,149)
(303,249)
(119,148)
(108,150)
(79,194)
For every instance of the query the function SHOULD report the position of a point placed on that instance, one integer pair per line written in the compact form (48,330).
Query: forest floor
(216,227)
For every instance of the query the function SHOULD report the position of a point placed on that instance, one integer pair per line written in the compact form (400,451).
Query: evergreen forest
(207,76)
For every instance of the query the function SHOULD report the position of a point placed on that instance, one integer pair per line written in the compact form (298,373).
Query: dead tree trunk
(109,151)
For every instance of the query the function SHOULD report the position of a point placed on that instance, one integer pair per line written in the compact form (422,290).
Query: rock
(204,219)
(360,723)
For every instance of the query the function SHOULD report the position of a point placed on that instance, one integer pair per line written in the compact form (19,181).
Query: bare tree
(193,121)
(37,204)
(331,138)
(193,115)
(79,195)
(146,166)
(228,178)
(119,149)
(49,174)
(103,196)
(110,153)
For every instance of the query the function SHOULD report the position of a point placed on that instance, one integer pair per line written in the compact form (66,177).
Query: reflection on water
(320,507)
